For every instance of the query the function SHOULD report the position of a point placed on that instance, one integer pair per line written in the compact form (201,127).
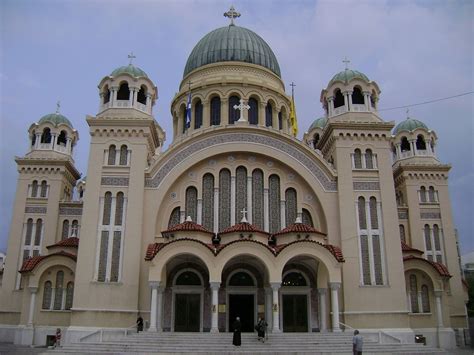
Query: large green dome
(347,75)
(409,125)
(129,69)
(56,119)
(232,43)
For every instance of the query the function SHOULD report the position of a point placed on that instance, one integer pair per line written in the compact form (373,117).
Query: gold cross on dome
(346,62)
(131,57)
(232,14)
(58,105)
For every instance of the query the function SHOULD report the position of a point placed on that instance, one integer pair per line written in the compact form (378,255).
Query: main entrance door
(187,312)
(242,306)
(295,313)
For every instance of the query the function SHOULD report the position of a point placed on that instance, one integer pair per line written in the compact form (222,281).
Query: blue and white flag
(188,111)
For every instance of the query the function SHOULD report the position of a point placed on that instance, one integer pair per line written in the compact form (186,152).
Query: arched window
(427,238)
(119,209)
(362,214)
(33,138)
(291,206)
(274,203)
(425,299)
(115,262)
(306,217)
(374,222)
(431,194)
(423,194)
(253,111)
(338,99)
(104,242)
(215,111)
(198,114)
(185,119)
(106,94)
(402,233)
(107,208)
(280,120)
(112,153)
(65,232)
(257,198)
(29,231)
(315,140)
(58,291)
(191,203)
(437,242)
(39,231)
(269,115)
(241,279)
(224,199)
(357,97)
(405,145)
(294,279)
(123,155)
(414,294)
(62,138)
(369,159)
(188,278)
(141,96)
(75,228)
(240,192)
(234,114)
(34,189)
(46,136)
(123,92)
(69,295)
(44,188)
(174,217)
(208,201)
(47,294)
(357,159)
(420,142)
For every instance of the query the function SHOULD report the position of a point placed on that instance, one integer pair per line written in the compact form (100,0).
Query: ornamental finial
(244,216)
(131,56)
(346,62)
(58,105)
(232,14)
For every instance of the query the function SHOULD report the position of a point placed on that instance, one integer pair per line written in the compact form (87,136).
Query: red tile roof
(72,242)
(407,248)
(243,227)
(440,268)
(298,228)
(187,226)
(30,263)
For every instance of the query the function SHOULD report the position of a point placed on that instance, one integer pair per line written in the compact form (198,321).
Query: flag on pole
(188,111)
(293,121)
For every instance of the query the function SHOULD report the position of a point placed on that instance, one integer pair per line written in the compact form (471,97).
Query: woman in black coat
(237,327)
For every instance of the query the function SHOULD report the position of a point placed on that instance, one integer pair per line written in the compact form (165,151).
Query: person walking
(261,328)
(139,323)
(237,328)
(357,343)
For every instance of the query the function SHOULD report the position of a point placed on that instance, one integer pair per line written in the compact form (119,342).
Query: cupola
(127,87)
(314,133)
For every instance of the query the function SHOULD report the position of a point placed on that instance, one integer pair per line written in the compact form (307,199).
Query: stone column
(232,201)
(180,124)
(268,305)
(346,101)
(412,145)
(276,307)
(330,106)
(53,140)
(159,306)
(283,214)
(335,305)
(131,97)
(38,140)
(215,307)
(266,212)
(216,209)
(322,309)
(275,119)
(399,150)
(249,199)
(31,311)
(439,308)
(224,112)
(261,113)
(367,100)
(154,299)
(149,103)
(113,96)
(349,97)
(68,145)
(199,211)
(206,114)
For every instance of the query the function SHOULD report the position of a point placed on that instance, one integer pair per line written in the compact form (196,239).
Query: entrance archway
(296,296)
(187,301)
(241,298)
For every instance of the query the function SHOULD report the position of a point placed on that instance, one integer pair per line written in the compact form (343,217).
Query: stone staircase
(221,344)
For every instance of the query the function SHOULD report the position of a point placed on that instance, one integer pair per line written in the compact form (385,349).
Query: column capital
(275,285)
(33,289)
(438,293)
(154,284)
(335,285)
(214,285)
(330,98)
(322,291)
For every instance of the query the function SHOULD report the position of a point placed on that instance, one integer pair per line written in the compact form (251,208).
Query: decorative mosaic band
(70,211)
(114,181)
(430,215)
(402,215)
(35,209)
(366,185)
(178,156)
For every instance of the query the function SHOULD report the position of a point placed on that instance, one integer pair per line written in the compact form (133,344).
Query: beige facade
(348,227)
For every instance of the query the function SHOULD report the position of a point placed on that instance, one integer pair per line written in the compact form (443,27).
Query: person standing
(357,343)
(57,342)
(261,329)
(139,323)
(237,328)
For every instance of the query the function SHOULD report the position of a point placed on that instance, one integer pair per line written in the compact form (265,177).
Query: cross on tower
(408,110)
(189,84)
(241,107)
(131,57)
(346,62)
(292,88)
(58,105)
(244,216)
(232,14)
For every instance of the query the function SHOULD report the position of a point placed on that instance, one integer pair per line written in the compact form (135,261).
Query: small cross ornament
(131,57)
(244,216)
(58,105)
(346,62)
(241,107)
(232,14)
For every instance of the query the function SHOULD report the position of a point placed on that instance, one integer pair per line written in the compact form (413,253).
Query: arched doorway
(187,301)
(241,298)
(296,296)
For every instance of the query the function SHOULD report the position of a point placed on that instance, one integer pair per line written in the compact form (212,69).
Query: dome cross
(232,14)
(131,56)
(346,62)
(58,105)
(241,107)
(244,216)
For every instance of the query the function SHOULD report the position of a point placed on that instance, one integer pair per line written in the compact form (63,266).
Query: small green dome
(56,119)
(318,123)
(129,69)
(409,125)
(232,43)
(347,75)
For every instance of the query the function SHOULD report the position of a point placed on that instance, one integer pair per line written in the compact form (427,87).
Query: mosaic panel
(377,260)
(224,199)
(35,209)
(240,192)
(104,242)
(257,198)
(366,185)
(430,215)
(114,271)
(191,203)
(291,203)
(174,218)
(306,217)
(362,214)
(374,222)
(274,203)
(114,181)
(70,211)
(402,215)
(208,202)
(364,247)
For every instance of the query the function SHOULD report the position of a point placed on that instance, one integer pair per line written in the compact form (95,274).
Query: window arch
(29,231)
(215,111)
(34,189)
(191,203)
(240,192)
(362,213)
(69,295)
(233,113)
(431,194)
(123,155)
(188,278)
(294,278)
(112,153)
(141,96)
(374,222)
(65,231)
(75,228)
(315,140)
(269,115)
(357,159)
(39,231)
(306,217)
(338,98)
(46,136)
(198,114)
(62,138)
(291,206)
(257,198)
(44,188)
(414,294)
(47,295)
(184,111)
(106,94)
(369,159)
(357,96)
(123,92)
(427,237)
(107,208)
(253,111)
(405,145)
(280,120)
(119,202)
(208,201)
(58,291)
(241,278)
(425,299)
(436,237)
(402,233)
(423,194)
(420,142)
(274,203)
(174,217)
(224,199)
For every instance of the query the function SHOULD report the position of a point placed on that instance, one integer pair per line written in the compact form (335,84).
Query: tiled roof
(440,268)
(154,248)
(30,263)
(243,227)
(72,242)
(407,248)
(187,226)
(298,228)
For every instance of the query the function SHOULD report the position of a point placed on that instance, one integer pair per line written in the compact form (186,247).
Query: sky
(416,51)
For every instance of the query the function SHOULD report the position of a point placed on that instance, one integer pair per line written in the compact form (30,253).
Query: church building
(350,227)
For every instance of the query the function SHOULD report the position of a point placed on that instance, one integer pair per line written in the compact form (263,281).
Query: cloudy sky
(415,50)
